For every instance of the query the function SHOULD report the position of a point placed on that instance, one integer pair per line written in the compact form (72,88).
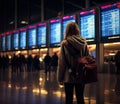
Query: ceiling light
(24,22)
(11,22)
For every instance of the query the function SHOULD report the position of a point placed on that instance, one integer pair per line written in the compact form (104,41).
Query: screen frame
(8,34)
(3,48)
(0,43)
(90,40)
(38,26)
(110,38)
(52,21)
(22,30)
(33,46)
(13,33)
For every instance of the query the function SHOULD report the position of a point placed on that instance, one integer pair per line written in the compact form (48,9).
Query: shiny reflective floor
(36,88)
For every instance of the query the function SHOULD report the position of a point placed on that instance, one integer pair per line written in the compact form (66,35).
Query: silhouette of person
(54,62)
(29,63)
(117,62)
(117,86)
(47,61)
(36,63)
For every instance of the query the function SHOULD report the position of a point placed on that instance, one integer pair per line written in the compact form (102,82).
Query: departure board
(55,32)
(110,20)
(41,38)
(15,40)
(3,43)
(22,39)
(0,43)
(8,42)
(65,21)
(32,37)
(87,24)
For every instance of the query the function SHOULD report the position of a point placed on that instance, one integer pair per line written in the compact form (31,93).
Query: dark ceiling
(30,10)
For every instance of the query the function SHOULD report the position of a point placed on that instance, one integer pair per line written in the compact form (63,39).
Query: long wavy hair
(72,29)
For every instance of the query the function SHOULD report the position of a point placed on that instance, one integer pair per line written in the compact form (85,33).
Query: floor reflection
(37,88)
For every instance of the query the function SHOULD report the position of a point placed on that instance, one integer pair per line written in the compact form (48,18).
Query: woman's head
(72,29)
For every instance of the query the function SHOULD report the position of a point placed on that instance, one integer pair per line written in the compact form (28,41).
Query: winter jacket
(77,48)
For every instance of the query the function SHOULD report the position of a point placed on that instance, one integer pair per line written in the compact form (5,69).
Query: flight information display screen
(8,42)
(3,43)
(110,20)
(15,41)
(32,37)
(87,24)
(41,40)
(22,39)
(55,31)
(0,44)
(65,21)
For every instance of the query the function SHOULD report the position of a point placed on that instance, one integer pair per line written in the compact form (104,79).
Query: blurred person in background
(117,62)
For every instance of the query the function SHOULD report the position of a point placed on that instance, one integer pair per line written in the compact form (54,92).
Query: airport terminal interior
(99,23)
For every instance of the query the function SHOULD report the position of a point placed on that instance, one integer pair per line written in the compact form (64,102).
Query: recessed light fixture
(24,22)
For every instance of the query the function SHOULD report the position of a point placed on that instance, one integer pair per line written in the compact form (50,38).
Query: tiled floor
(36,88)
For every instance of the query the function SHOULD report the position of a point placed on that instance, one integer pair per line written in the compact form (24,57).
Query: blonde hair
(72,29)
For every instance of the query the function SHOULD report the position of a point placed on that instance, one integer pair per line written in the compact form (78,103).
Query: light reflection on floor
(36,88)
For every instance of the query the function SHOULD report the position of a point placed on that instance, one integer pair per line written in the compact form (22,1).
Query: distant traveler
(117,62)
(47,61)
(77,42)
(36,63)
(29,63)
(54,62)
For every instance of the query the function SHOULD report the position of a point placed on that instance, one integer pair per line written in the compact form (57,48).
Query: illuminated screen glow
(3,43)
(87,24)
(0,44)
(32,37)
(55,32)
(65,22)
(8,42)
(22,39)
(41,35)
(110,20)
(15,40)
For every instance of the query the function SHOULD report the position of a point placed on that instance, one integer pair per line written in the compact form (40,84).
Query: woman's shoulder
(63,42)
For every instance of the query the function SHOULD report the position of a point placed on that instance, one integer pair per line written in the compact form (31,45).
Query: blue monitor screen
(65,21)
(110,20)
(22,39)
(87,24)
(0,43)
(15,41)
(8,42)
(32,37)
(55,31)
(3,43)
(41,35)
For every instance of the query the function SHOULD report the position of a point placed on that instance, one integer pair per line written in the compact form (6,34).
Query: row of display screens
(37,35)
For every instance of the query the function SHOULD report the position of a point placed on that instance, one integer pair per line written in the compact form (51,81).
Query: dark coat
(117,59)
(54,60)
(47,59)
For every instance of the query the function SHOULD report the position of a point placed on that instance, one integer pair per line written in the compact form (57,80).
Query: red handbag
(89,68)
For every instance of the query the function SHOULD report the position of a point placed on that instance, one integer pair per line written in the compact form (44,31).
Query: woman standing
(77,48)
